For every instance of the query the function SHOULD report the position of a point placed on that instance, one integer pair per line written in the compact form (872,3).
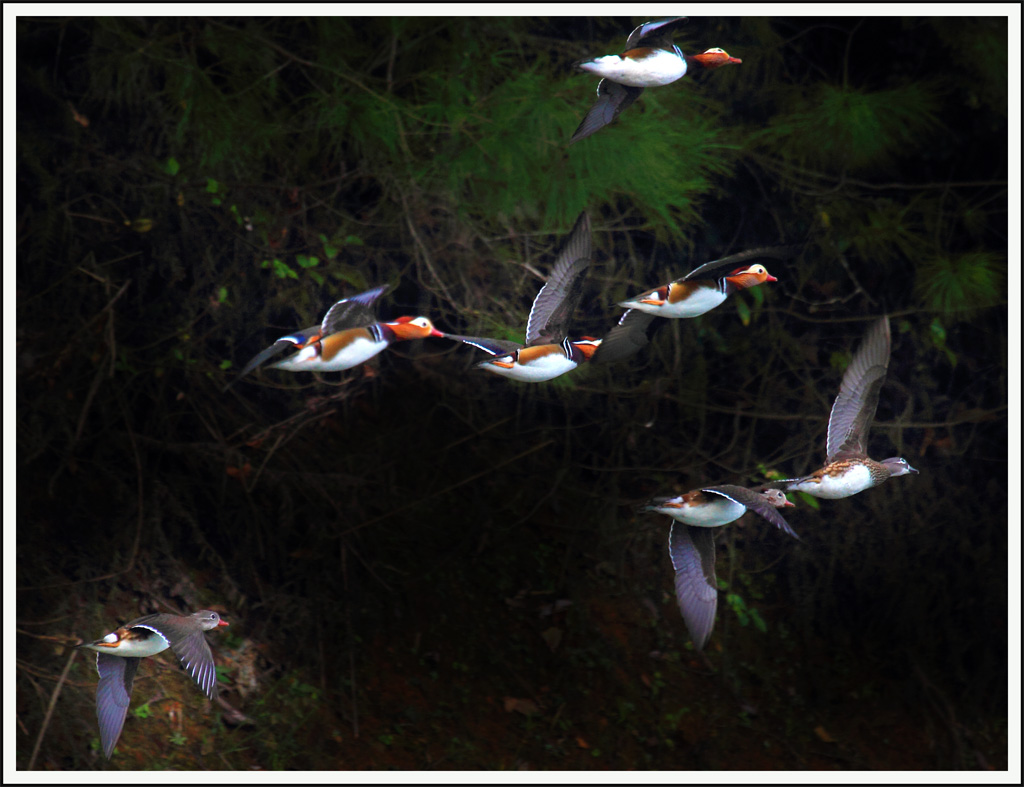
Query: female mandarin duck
(692,548)
(347,336)
(691,296)
(848,469)
(548,352)
(118,655)
(650,59)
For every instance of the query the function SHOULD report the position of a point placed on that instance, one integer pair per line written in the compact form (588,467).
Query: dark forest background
(426,566)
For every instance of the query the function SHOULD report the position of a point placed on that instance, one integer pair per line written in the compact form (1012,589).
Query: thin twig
(424,254)
(49,710)
(351,642)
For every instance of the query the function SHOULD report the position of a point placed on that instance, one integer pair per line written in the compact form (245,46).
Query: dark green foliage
(850,130)
(396,544)
(962,283)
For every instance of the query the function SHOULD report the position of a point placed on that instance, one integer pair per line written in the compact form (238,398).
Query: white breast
(536,371)
(855,479)
(306,359)
(134,648)
(721,511)
(699,302)
(659,68)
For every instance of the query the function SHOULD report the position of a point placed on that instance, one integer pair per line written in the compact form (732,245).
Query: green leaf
(840,359)
(212,187)
(739,607)
(282,270)
(743,310)
(810,500)
(172,167)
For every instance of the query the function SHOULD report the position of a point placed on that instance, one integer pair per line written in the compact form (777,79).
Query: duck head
(742,278)
(714,58)
(776,497)
(899,466)
(406,328)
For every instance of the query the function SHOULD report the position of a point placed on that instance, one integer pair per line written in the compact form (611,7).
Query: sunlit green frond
(849,129)
(961,282)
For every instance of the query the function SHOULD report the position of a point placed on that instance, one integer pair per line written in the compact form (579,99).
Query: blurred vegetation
(429,567)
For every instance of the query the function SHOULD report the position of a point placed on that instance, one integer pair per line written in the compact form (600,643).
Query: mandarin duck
(848,469)
(118,655)
(692,547)
(548,352)
(651,59)
(691,296)
(347,336)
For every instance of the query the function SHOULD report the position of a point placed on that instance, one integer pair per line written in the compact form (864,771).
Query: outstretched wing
(612,98)
(558,298)
(353,312)
(113,694)
(855,406)
(754,501)
(491,346)
(657,33)
(776,252)
(195,656)
(291,342)
(634,330)
(692,550)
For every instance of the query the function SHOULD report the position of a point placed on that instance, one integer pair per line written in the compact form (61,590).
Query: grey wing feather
(776,252)
(612,98)
(854,408)
(634,330)
(657,33)
(275,349)
(557,300)
(194,653)
(781,484)
(113,694)
(491,346)
(353,312)
(754,502)
(692,550)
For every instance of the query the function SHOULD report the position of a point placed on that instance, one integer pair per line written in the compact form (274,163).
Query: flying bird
(548,352)
(118,655)
(650,59)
